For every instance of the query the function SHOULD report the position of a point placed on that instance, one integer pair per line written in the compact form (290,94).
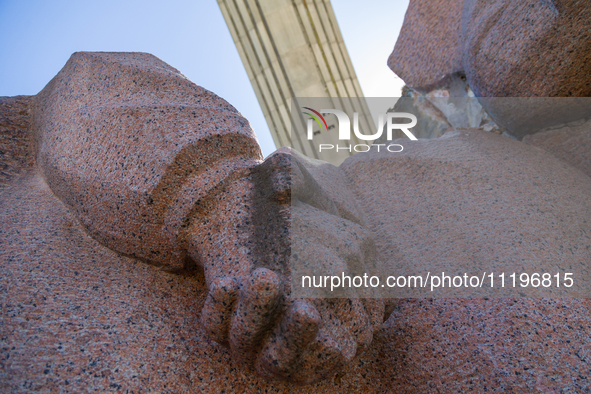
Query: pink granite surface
(428,49)
(504,49)
(80,316)
(240,234)
(159,169)
(16,143)
(479,201)
(483,201)
(124,133)
(527,48)
(570,143)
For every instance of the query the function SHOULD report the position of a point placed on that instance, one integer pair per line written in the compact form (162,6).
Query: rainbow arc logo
(318,115)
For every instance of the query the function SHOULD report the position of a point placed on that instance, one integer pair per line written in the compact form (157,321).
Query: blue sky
(38,37)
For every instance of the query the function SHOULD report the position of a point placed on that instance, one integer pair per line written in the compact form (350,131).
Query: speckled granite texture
(570,143)
(505,49)
(480,198)
(157,168)
(121,139)
(80,315)
(428,48)
(476,201)
(16,139)
(527,48)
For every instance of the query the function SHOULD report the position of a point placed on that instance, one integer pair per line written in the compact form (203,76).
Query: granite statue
(497,50)
(145,246)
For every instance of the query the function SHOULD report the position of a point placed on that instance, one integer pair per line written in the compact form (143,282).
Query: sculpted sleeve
(131,145)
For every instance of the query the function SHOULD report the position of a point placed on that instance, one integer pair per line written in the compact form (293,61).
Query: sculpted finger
(354,316)
(216,314)
(361,325)
(289,340)
(347,322)
(376,310)
(324,358)
(256,311)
